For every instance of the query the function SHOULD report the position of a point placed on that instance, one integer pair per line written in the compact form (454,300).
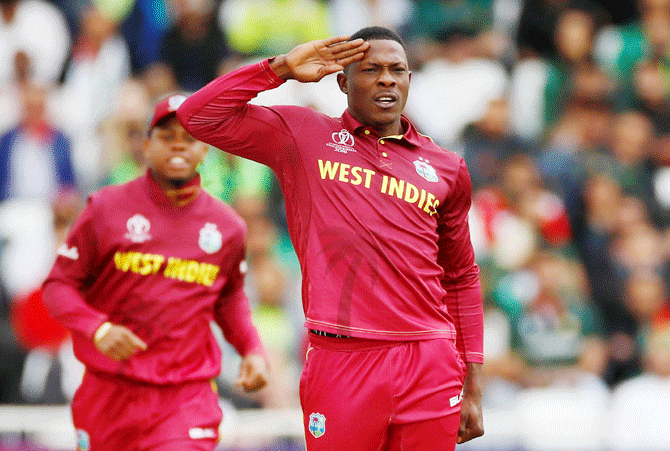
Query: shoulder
(448,155)
(300,114)
(112,194)
(223,212)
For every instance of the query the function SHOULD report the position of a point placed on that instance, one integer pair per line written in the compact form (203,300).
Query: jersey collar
(174,197)
(411,136)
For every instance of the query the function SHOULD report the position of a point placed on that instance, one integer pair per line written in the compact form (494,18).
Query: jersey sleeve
(73,268)
(233,315)
(461,282)
(219,114)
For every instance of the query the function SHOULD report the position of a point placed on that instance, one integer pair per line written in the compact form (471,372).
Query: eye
(165,135)
(400,69)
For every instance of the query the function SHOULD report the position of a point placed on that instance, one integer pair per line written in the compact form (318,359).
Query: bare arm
(314,60)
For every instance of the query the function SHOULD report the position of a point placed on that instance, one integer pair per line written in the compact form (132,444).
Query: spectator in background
(657,191)
(536,35)
(651,94)
(38,30)
(26,55)
(349,16)
(123,133)
(267,287)
(143,30)
(545,86)
(12,355)
(430,18)
(98,68)
(44,379)
(195,48)
(35,159)
(647,392)
(269,27)
(631,143)
(454,87)
(620,49)
(553,323)
(489,142)
(159,80)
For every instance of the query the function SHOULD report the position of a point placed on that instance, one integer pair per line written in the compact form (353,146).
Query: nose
(386,78)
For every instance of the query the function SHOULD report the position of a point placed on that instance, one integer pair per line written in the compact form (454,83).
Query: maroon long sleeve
(165,272)
(379,224)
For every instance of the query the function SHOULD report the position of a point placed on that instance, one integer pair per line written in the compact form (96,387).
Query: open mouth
(386,100)
(178,162)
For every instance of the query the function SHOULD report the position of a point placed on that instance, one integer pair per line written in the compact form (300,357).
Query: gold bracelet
(101,332)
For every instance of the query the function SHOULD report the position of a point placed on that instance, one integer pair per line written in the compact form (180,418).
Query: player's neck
(180,192)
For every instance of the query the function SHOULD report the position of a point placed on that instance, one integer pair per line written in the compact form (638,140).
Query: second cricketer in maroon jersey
(145,269)
(378,216)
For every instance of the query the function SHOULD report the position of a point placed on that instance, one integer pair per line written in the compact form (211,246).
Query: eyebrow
(370,63)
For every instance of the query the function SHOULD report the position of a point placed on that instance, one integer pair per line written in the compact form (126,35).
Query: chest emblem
(138,229)
(210,239)
(425,170)
(317,424)
(343,141)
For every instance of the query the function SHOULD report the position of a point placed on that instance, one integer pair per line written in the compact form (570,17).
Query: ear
(201,152)
(342,81)
(145,144)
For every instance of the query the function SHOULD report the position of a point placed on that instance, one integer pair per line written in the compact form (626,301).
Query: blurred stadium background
(560,108)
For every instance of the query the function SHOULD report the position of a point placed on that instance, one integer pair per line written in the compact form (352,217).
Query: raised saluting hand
(312,61)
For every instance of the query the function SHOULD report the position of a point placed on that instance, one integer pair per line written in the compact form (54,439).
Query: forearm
(220,114)
(472,386)
(67,306)
(234,317)
(464,303)
(206,110)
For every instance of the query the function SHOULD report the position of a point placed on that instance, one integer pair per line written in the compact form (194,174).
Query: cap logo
(175,102)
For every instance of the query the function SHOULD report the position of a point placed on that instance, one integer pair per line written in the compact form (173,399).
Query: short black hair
(372,33)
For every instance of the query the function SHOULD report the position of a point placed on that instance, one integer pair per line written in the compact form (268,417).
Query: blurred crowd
(561,109)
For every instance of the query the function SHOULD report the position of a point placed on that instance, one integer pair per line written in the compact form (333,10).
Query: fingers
(349,48)
(469,429)
(252,382)
(119,343)
(335,40)
(344,62)
(137,342)
(253,373)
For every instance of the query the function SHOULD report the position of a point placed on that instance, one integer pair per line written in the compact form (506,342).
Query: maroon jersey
(135,259)
(379,224)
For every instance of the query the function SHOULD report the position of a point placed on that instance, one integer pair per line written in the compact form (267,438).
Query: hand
(119,343)
(314,60)
(253,373)
(472,419)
